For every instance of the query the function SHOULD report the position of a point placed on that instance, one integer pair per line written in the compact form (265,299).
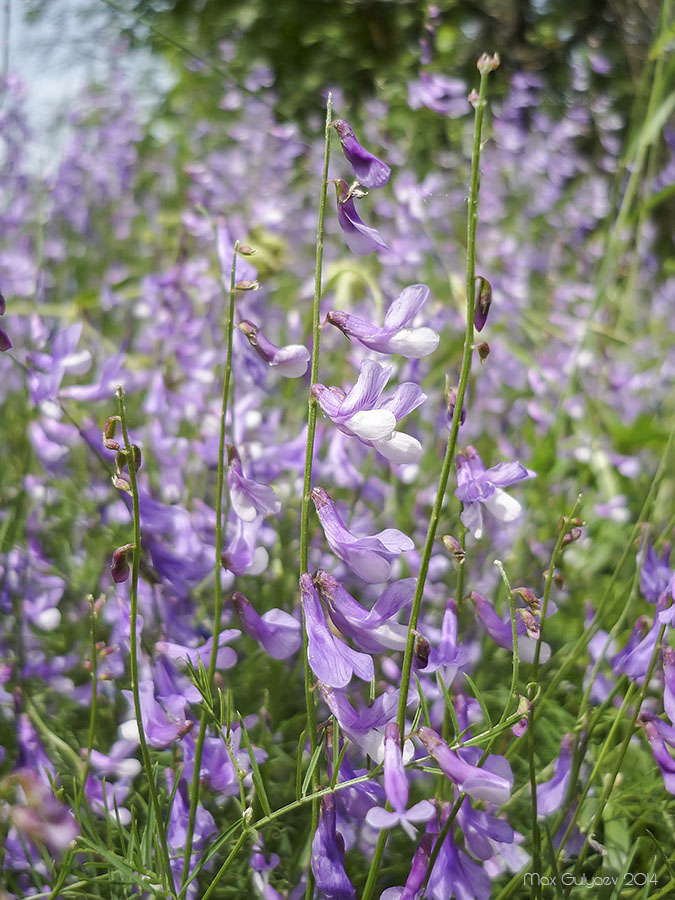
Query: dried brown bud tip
(483,351)
(136,450)
(453,546)
(558,579)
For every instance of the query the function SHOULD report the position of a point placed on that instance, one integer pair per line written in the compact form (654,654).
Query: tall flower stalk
(309,457)
(486,65)
(130,453)
(218,592)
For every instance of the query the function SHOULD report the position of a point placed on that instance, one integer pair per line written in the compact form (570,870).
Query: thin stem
(309,457)
(133,643)
(218,594)
(467,354)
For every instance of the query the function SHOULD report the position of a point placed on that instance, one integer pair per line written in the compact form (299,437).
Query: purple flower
(550,794)
(477,485)
(361,414)
(481,783)
(277,631)
(456,875)
(41,817)
(249,499)
(371,629)
(417,874)
(443,95)
(368,557)
(290,361)
(663,757)
(502,634)
(328,855)
(396,789)
(161,728)
(370,171)
(332,661)
(394,336)
(361,239)
(655,574)
(365,728)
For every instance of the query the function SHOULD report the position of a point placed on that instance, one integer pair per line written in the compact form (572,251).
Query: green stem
(133,644)
(456,417)
(467,354)
(218,593)
(309,457)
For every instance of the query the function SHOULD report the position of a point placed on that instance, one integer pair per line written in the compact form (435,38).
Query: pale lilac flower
(663,757)
(477,485)
(656,574)
(372,630)
(368,557)
(481,830)
(370,171)
(290,361)
(395,335)
(360,238)
(277,631)
(248,498)
(456,875)
(328,854)
(40,816)
(443,95)
(551,793)
(481,783)
(161,728)
(447,656)
(669,682)
(241,554)
(396,789)
(366,728)
(501,632)
(361,413)
(332,661)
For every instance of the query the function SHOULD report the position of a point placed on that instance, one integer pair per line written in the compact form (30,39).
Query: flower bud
(109,430)
(119,567)
(247,286)
(483,301)
(572,536)
(136,451)
(121,484)
(473,98)
(245,250)
(531,624)
(453,547)
(483,350)
(488,63)
(529,597)
(524,707)
(421,652)
(451,400)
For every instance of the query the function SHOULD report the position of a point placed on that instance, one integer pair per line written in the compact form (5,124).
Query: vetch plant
(307,673)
